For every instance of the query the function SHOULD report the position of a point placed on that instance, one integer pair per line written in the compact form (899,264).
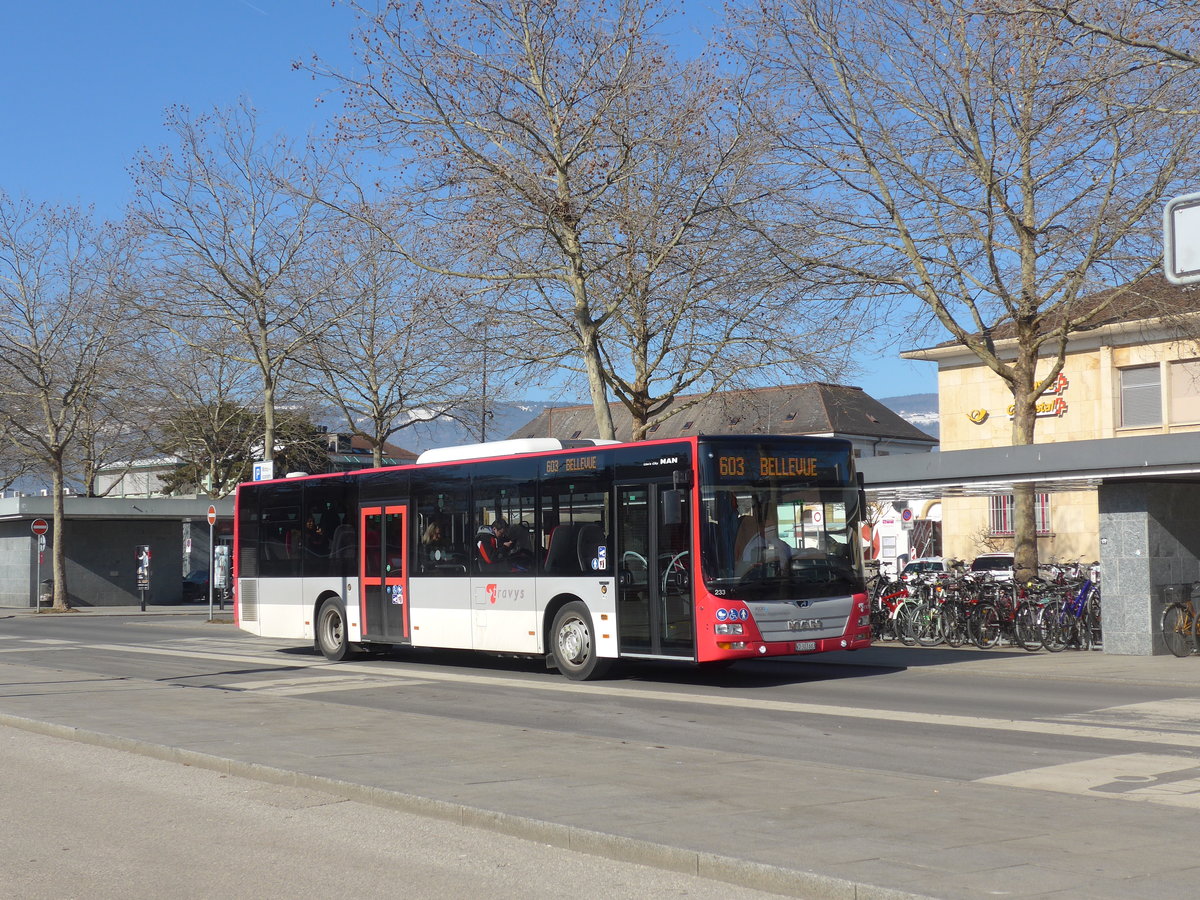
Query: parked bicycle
(1179,625)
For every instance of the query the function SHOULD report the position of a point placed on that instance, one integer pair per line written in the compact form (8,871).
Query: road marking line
(404,672)
(1142,777)
(295,686)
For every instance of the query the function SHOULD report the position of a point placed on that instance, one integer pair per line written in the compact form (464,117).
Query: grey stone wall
(1149,542)
(101,563)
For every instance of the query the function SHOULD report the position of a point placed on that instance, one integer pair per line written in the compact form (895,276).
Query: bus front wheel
(331,630)
(573,645)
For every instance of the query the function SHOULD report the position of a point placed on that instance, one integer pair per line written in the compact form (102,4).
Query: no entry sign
(40,526)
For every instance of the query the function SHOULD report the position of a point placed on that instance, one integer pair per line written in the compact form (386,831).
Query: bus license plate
(805,645)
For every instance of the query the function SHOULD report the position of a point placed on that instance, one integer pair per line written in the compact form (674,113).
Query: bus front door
(383,575)
(655,614)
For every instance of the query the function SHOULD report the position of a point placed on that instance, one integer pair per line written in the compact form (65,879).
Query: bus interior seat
(591,538)
(342,545)
(562,554)
(748,528)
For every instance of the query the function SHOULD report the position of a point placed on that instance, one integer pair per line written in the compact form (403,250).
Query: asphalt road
(936,772)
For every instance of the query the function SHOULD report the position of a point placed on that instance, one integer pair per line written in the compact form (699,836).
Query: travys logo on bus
(498,594)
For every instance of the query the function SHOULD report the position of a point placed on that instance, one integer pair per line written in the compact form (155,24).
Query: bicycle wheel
(903,622)
(1177,629)
(928,622)
(954,623)
(1055,624)
(1027,627)
(983,626)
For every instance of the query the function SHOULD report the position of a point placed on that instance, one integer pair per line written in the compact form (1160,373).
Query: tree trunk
(596,387)
(268,421)
(1025,549)
(57,551)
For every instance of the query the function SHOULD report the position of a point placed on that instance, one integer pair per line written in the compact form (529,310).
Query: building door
(655,613)
(383,573)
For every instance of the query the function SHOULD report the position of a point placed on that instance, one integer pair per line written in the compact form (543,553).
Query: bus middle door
(383,575)
(655,613)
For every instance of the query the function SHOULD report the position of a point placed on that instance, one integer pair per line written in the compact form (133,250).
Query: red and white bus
(706,550)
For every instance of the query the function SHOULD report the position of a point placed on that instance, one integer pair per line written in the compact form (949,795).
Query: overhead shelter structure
(1149,498)
(101,540)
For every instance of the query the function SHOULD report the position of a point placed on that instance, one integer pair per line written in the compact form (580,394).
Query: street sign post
(143,572)
(212,520)
(39,527)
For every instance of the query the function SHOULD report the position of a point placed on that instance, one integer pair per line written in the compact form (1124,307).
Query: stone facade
(1150,536)
(1085,404)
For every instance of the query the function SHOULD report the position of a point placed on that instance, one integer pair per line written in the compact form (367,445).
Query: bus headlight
(729,628)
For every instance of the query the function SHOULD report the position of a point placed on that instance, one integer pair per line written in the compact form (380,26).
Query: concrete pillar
(1149,540)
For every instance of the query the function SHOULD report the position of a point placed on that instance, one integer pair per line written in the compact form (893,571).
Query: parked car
(998,565)
(927,565)
(195,585)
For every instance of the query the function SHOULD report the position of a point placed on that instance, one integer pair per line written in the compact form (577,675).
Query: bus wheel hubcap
(573,641)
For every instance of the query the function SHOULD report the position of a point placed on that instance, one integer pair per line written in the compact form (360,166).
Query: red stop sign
(40,526)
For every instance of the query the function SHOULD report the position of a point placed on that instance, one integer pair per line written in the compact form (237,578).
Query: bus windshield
(778,525)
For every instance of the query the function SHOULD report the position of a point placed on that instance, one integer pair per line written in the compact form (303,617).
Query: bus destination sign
(572,464)
(742,465)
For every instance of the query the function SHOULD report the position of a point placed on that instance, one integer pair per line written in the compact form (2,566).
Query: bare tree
(206,419)
(65,323)
(234,247)
(994,167)
(589,184)
(1164,30)
(394,357)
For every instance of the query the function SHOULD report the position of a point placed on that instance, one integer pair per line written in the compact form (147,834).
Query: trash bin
(46,593)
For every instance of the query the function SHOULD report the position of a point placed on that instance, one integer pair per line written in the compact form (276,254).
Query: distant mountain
(504,420)
(920,410)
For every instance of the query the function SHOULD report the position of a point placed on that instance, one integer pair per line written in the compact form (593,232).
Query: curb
(730,870)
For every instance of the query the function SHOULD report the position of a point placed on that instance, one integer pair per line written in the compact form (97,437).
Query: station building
(1134,373)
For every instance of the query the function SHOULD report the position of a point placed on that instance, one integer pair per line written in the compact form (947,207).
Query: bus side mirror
(672,507)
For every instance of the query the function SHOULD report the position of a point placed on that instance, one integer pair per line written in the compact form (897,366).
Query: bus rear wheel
(331,631)
(573,646)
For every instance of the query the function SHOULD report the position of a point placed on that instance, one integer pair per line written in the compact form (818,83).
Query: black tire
(1057,626)
(1177,629)
(904,622)
(331,637)
(954,623)
(983,626)
(928,621)
(573,646)
(1027,627)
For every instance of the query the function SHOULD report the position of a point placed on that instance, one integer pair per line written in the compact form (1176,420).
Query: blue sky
(86,83)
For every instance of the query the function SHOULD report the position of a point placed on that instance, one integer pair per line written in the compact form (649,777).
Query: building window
(1000,514)
(1185,390)
(1141,397)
